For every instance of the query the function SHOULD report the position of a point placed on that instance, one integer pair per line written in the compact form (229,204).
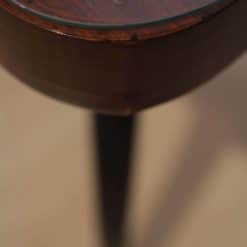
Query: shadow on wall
(221,119)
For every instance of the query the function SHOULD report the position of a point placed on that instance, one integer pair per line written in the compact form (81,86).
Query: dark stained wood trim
(117,34)
(121,79)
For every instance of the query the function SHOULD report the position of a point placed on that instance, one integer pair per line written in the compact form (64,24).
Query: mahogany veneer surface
(114,12)
(114,19)
(131,73)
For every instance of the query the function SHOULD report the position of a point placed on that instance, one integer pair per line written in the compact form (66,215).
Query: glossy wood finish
(117,77)
(148,19)
(114,12)
(121,79)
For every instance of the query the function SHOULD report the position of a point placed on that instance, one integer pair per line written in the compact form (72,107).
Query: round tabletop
(114,19)
(43,43)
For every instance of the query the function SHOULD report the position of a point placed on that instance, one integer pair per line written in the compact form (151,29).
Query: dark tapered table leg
(114,137)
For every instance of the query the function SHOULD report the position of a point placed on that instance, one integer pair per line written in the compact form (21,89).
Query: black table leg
(114,137)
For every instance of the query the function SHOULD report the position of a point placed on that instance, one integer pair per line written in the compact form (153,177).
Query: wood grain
(122,79)
(114,12)
(111,17)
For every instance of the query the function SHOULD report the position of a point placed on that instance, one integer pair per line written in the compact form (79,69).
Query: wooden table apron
(121,78)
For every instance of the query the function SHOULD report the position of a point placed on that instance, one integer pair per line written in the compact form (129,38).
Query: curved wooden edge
(120,79)
(121,34)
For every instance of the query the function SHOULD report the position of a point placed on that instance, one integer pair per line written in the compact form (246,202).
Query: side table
(116,58)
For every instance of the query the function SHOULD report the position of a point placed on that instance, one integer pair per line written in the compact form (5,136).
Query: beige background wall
(189,180)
